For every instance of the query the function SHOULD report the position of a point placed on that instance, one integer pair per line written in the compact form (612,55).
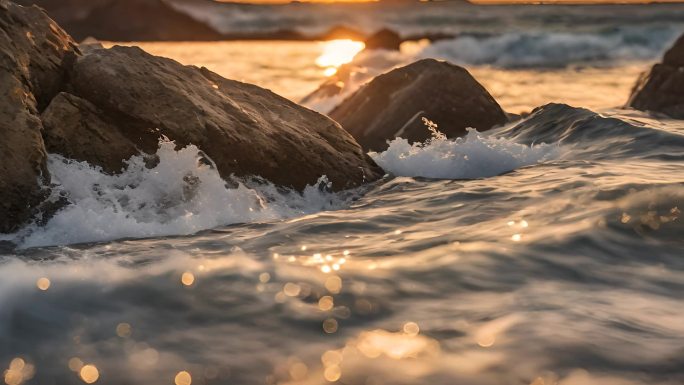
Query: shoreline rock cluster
(105,105)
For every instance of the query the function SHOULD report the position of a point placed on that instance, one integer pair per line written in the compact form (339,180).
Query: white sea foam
(553,49)
(471,157)
(182,194)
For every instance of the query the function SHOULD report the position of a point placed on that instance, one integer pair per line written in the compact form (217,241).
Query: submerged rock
(393,105)
(384,39)
(662,89)
(109,104)
(33,53)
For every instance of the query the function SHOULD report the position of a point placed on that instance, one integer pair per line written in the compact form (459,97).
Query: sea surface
(547,251)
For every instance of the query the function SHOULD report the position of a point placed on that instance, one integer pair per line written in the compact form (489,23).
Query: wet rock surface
(105,105)
(393,105)
(662,88)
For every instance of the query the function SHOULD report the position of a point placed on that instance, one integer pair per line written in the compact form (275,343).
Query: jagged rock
(662,89)
(384,39)
(244,129)
(33,53)
(393,105)
(127,20)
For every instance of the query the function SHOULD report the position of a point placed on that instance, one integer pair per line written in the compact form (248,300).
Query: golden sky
(477,1)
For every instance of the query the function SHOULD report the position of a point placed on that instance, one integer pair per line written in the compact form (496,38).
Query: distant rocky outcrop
(384,39)
(106,105)
(340,32)
(662,89)
(126,20)
(393,105)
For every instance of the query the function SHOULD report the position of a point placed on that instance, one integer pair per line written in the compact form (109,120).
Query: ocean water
(547,251)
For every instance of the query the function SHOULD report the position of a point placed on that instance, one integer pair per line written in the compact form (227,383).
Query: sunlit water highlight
(548,251)
(567,270)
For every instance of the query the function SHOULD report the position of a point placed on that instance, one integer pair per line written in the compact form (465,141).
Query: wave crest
(471,157)
(182,194)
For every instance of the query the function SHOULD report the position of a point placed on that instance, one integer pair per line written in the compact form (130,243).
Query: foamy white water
(471,157)
(182,194)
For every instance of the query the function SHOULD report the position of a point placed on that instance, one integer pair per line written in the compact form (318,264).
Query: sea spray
(471,157)
(182,194)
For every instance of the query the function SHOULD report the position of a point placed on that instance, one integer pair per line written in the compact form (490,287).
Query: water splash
(182,194)
(471,157)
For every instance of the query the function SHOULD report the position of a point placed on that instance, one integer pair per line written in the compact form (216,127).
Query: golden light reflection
(332,373)
(43,283)
(333,284)
(123,330)
(183,378)
(291,289)
(325,303)
(338,52)
(396,345)
(18,372)
(330,325)
(89,374)
(187,278)
(298,371)
(411,328)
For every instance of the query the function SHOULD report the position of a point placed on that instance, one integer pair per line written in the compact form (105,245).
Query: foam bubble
(182,194)
(471,157)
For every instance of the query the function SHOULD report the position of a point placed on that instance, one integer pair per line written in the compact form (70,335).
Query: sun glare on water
(336,53)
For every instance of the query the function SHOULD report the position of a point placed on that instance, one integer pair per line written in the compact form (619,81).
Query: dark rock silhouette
(662,89)
(105,105)
(340,32)
(127,20)
(384,39)
(393,105)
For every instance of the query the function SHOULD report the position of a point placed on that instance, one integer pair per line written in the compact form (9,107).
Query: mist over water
(547,251)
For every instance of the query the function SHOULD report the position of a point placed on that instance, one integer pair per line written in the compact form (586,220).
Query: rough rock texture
(33,50)
(244,129)
(393,105)
(75,128)
(105,105)
(126,20)
(662,89)
(384,39)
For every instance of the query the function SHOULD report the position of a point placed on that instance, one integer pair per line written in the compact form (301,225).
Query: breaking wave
(471,157)
(554,49)
(182,194)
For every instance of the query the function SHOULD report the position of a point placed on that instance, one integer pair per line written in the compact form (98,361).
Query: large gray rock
(393,105)
(662,89)
(33,53)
